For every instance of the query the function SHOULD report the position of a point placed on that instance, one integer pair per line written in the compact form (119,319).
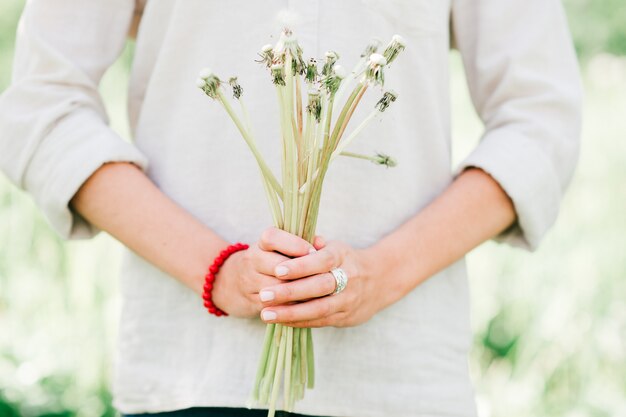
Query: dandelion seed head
(386,100)
(311,71)
(267,48)
(237,89)
(399,40)
(372,47)
(331,82)
(375,71)
(314,106)
(287,19)
(331,56)
(278,73)
(210,85)
(397,45)
(378,59)
(385,160)
(340,71)
(205,73)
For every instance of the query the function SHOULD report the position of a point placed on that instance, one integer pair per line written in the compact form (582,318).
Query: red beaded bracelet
(209,278)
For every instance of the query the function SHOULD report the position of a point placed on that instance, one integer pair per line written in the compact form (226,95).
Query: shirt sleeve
(524,82)
(53,125)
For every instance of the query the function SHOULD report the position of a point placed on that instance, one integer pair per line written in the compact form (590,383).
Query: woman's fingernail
(268,315)
(281,271)
(266,295)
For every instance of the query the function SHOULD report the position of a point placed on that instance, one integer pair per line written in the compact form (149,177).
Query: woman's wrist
(205,249)
(380,269)
(211,275)
(472,209)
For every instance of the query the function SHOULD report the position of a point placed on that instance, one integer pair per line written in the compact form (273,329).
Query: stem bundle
(311,139)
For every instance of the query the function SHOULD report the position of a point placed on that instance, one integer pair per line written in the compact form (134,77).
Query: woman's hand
(237,285)
(303,297)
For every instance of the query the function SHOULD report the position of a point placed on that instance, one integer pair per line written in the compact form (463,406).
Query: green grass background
(549,327)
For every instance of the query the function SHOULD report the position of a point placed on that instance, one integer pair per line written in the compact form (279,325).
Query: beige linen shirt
(410,359)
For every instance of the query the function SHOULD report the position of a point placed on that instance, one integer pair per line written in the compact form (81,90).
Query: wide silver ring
(341,279)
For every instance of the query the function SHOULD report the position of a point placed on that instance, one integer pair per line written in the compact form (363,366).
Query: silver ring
(341,279)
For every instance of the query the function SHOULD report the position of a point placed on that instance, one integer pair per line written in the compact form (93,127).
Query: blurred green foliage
(550,327)
(598,26)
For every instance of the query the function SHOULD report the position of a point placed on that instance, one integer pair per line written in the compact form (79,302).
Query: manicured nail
(268,315)
(266,295)
(281,271)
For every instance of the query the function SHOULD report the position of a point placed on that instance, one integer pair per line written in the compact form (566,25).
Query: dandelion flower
(205,73)
(378,59)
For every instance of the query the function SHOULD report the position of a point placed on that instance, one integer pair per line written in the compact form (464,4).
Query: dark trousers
(216,412)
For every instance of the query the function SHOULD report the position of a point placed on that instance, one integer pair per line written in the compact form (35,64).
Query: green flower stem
(308,167)
(246,117)
(313,210)
(288,364)
(303,356)
(328,121)
(295,370)
(325,128)
(327,113)
(287,129)
(356,71)
(284,160)
(288,158)
(315,183)
(358,156)
(307,148)
(310,359)
(290,180)
(347,112)
(270,369)
(293,146)
(267,341)
(277,214)
(329,146)
(280,365)
(265,170)
(343,144)
(299,103)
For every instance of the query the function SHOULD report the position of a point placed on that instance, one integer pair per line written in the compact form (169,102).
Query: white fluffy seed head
(287,19)
(205,73)
(267,48)
(340,71)
(200,82)
(399,39)
(378,59)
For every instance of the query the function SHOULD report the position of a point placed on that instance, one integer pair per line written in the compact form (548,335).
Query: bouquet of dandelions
(313,121)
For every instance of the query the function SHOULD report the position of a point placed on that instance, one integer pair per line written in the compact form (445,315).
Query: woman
(395,341)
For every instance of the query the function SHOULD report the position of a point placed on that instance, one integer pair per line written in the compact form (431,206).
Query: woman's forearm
(473,209)
(121,200)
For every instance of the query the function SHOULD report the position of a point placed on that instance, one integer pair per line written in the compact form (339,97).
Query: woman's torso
(410,359)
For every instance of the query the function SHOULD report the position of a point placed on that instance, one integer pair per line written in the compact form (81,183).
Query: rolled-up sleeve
(524,82)
(54,130)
